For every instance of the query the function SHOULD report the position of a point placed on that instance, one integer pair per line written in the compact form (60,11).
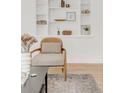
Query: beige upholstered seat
(48,60)
(51,54)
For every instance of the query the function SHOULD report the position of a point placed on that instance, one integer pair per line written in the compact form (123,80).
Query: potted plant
(26,41)
(86,29)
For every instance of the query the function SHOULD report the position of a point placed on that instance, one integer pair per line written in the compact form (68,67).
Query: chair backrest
(51,45)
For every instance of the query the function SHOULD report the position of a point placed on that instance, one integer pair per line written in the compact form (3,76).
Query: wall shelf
(59,8)
(63,18)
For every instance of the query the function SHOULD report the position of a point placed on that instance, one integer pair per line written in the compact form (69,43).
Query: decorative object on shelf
(58,32)
(66,32)
(60,19)
(86,30)
(86,11)
(71,16)
(41,22)
(41,19)
(62,3)
(67,5)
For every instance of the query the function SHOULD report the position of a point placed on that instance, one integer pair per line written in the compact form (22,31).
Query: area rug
(83,83)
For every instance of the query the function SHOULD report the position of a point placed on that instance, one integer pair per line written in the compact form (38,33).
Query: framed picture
(71,16)
(86,30)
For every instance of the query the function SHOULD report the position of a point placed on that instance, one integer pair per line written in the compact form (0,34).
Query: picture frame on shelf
(85,30)
(71,16)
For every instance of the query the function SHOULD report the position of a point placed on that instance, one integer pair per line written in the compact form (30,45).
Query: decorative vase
(58,32)
(62,3)
(25,62)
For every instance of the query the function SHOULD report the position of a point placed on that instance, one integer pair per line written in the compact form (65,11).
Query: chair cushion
(48,60)
(49,47)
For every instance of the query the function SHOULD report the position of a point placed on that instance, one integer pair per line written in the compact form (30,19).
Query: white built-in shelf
(87,4)
(65,36)
(54,7)
(62,8)
(85,14)
(55,22)
(85,18)
(52,10)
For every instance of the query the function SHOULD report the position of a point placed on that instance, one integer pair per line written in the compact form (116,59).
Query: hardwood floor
(95,69)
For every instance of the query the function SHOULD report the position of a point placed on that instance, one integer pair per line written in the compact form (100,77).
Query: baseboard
(87,61)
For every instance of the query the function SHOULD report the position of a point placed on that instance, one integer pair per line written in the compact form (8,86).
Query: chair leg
(46,83)
(65,72)
(62,70)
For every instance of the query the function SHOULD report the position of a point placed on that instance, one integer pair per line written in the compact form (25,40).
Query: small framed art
(71,16)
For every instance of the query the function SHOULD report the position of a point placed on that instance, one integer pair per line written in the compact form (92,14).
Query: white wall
(28,16)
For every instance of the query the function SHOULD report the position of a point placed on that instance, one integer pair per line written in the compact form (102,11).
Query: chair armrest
(64,51)
(65,55)
(38,49)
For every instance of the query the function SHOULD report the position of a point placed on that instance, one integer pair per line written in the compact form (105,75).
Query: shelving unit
(85,17)
(42,17)
(51,17)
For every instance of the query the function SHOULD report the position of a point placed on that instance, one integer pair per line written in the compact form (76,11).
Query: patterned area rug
(83,83)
